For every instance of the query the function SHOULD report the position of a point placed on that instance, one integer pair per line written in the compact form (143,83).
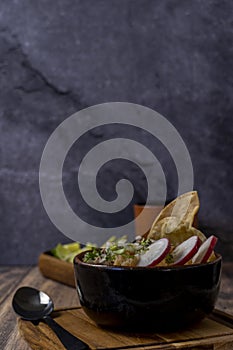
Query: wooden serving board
(56,269)
(212,333)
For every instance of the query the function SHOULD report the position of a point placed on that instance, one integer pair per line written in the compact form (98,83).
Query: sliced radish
(205,250)
(156,252)
(186,250)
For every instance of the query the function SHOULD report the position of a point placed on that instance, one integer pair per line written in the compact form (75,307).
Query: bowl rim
(77,261)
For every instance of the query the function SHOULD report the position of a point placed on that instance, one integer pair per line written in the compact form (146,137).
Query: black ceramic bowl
(140,298)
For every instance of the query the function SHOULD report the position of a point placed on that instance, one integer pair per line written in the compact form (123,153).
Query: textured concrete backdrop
(57,57)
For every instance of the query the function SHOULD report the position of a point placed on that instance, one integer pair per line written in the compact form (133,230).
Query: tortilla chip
(176,234)
(182,210)
(165,225)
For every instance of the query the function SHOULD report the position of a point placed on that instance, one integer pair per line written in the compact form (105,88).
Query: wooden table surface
(12,278)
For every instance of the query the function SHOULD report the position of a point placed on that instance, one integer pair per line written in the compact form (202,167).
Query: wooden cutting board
(214,332)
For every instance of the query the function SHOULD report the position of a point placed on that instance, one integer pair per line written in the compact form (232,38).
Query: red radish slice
(205,250)
(186,250)
(156,252)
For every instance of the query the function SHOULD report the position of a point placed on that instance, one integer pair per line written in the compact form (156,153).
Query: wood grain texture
(13,277)
(210,333)
(9,279)
(57,270)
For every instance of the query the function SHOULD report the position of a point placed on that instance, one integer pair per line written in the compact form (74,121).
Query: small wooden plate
(214,332)
(56,269)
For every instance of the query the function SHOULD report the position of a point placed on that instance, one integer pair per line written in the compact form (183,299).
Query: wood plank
(208,334)
(9,279)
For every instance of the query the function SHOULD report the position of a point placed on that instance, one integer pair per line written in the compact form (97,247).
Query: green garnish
(91,255)
(169,258)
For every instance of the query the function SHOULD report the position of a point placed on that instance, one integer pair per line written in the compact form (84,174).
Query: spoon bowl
(32,304)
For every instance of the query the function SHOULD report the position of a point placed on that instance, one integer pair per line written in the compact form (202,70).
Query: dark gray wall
(57,57)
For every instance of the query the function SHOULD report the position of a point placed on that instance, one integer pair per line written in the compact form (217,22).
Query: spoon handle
(69,341)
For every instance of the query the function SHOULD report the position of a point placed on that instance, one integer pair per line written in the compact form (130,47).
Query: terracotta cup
(143,223)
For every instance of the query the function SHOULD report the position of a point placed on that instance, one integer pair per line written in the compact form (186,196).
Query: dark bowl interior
(140,298)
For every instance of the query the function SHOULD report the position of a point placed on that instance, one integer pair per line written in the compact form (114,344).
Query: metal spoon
(34,305)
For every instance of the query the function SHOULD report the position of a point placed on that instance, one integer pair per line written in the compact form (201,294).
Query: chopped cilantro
(91,255)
